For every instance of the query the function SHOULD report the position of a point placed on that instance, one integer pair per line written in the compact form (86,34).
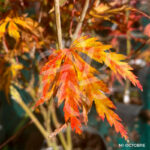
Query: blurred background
(27,37)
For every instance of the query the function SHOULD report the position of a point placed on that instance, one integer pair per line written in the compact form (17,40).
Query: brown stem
(79,25)
(5,44)
(138,50)
(60,46)
(127,85)
(57,125)
(58,24)
(69,141)
(34,119)
(48,121)
(58,130)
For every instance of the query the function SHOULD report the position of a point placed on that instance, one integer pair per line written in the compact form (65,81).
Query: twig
(79,25)
(57,125)
(40,15)
(126,97)
(71,22)
(69,141)
(16,96)
(48,121)
(136,52)
(22,3)
(37,123)
(45,113)
(58,130)
(140,12)
(5,44)
(60,46)
(34,119)
(58,24)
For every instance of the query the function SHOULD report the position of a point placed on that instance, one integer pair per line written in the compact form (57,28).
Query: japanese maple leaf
(72,80)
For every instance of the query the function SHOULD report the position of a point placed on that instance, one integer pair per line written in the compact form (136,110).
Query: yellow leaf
(15,68)
(15,94)
(7,74)
(97,51)
(102,8)
(13,31)
(2,29)
(22,23)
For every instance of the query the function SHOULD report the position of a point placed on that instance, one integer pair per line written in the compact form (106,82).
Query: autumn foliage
(72,80)
(70,54)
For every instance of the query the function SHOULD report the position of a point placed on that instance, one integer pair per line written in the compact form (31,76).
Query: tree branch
(126,97)
(57,125)
(34,119)
(58,24)
(69,141)
(5,44)
(79,25)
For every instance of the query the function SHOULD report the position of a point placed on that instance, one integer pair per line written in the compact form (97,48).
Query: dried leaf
(7,74)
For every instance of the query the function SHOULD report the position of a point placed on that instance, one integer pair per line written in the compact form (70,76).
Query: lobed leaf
(71,79)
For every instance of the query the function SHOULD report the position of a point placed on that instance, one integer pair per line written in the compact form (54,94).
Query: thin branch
(34,119)
(135,53)
(5,44)
(79,25)
(140,12)
(126,97)
(60,46)
(22,3)
(69,141)
(57,125)
(48,121)
(58,24)
(58,130)
(72,16)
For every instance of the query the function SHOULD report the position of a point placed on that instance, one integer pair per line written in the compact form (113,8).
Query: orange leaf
(3,28)
(71,79)
(104,108)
